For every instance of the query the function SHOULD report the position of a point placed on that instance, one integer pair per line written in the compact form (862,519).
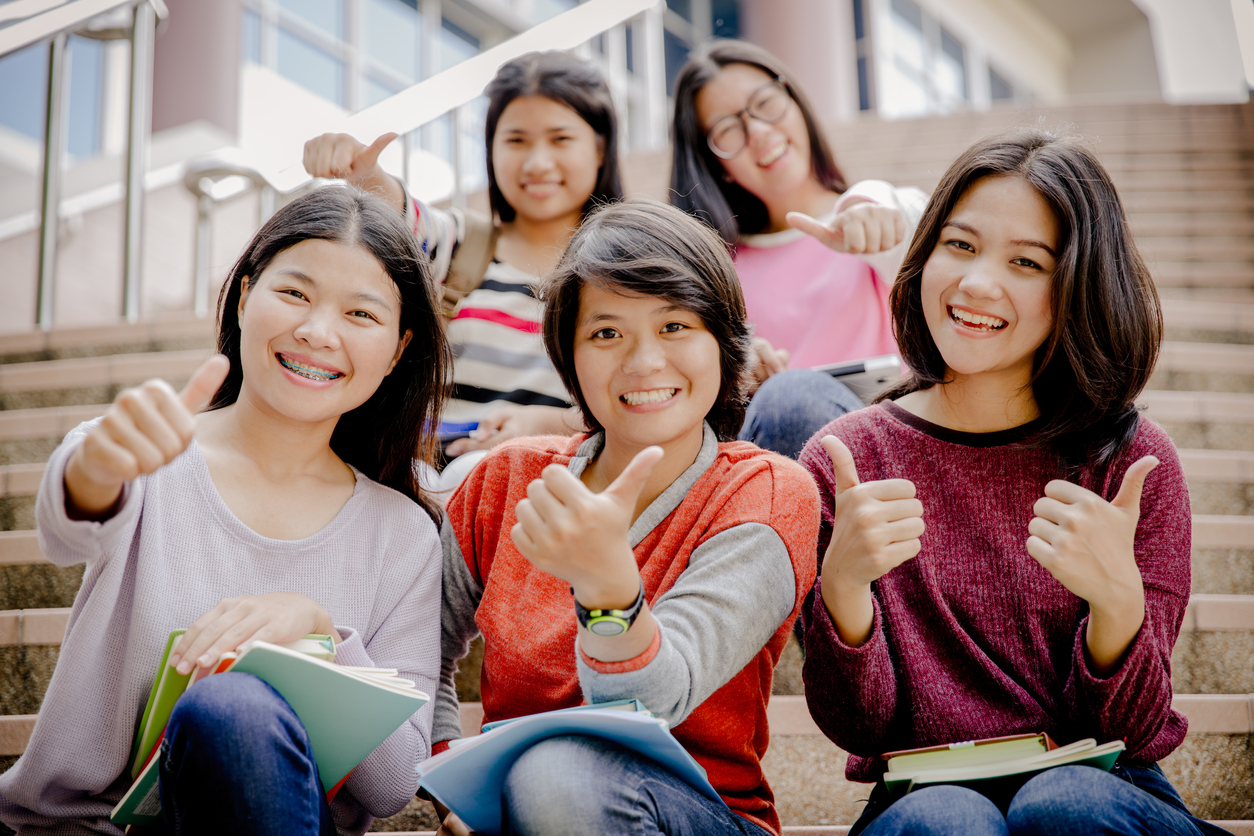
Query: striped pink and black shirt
(495,331)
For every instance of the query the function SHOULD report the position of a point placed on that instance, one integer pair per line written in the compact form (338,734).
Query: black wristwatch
(609,622)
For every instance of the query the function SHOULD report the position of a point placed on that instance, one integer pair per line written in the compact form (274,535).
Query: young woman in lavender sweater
(290,507)
(1047,587)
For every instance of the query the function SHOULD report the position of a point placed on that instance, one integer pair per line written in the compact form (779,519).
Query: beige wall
(196,65)
(815,39)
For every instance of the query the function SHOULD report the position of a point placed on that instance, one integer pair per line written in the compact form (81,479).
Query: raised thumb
(843,468)
(204,382)
(630,482)
(369,156)
(1129,495)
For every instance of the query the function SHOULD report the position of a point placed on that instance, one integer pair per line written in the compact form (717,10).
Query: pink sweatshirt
(821,305)
(972,638)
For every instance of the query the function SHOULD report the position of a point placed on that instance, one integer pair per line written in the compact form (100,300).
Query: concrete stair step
(1211,657)
(807,772)
(28,384)
(1202,274)
(158,333)
(1214,367)
(42,379)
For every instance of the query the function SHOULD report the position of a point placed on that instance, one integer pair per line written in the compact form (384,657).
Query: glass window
(676,50)
(909,13)
(86,94)
(327,15)
(374,91)
(864,85)
(951,71)
(998,88)
(23,90)
(310,67)
(725,17)
(393,35)
(631,48)
(859,26)
(542,10)
(250,37)
(456,45)
(683,8)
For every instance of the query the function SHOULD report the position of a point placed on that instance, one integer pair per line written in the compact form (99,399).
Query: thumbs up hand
(342,157)
(876,527)
(145,427)
(567,530)
(1086,543)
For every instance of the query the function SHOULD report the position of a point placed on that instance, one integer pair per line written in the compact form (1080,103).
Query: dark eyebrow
(293,273)
(1018,242)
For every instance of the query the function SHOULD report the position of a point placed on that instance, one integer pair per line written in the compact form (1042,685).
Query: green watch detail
(609,622)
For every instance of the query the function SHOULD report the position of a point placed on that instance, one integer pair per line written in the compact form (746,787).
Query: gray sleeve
(738,589)
(66,542)
(459,601)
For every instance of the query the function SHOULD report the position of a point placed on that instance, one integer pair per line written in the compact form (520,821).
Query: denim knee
(940,811)
(1068,800)
(553,787)
(224,711)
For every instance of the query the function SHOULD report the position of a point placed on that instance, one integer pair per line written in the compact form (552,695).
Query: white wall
(1119,61)
(1199,59)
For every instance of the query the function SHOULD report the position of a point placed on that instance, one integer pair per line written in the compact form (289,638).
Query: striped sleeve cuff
(627,665)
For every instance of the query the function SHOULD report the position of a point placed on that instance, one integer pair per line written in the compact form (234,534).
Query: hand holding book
(278,617)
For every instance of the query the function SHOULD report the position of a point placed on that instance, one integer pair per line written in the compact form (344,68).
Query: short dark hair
(568,80)
(381,437)
(647,248)
(698,182)
(1107,321)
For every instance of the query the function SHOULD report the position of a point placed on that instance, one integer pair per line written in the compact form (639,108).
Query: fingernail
(174,660)
(184,668)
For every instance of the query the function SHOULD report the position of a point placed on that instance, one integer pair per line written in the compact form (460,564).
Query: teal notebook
(320,692)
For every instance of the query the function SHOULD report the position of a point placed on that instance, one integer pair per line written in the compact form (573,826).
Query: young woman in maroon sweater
(1046,589)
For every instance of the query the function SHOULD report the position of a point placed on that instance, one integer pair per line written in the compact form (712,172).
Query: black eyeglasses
(730,134)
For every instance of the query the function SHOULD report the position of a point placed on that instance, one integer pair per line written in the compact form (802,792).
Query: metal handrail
(403,112)
(428,100)
(48,18)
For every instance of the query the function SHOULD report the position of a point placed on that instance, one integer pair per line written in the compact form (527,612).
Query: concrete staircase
(1187,177)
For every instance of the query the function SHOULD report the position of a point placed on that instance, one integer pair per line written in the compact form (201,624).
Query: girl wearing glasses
(750,160)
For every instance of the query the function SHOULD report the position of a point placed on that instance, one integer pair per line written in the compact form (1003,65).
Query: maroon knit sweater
(972,638)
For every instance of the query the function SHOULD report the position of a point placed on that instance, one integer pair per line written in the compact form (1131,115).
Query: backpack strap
(475,248)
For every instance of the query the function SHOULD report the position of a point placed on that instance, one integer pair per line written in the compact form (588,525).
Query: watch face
(608,626)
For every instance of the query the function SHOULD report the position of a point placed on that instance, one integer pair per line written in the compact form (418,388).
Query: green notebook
(318,691)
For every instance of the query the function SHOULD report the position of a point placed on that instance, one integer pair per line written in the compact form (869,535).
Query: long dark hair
(567,80)
(384,435)
(1107,326)
(647,248)
(698,182)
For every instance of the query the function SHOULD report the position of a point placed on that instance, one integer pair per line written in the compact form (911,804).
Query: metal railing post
(459,190)
(204,241)
(54,146)
(143,32)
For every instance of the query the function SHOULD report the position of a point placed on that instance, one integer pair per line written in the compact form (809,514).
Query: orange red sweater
(715,552)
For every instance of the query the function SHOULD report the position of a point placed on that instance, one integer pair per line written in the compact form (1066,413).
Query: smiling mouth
(979,322)
(652,396)
(311,372)
(770,158)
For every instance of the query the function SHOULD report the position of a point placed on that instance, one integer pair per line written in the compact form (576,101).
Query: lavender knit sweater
(171,552)
(972,638)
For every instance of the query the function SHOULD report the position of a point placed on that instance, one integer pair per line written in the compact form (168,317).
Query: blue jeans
(1065,801)
(792,406)
(579,785)
(236,759)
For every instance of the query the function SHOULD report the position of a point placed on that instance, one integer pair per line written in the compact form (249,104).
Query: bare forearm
(851,610)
